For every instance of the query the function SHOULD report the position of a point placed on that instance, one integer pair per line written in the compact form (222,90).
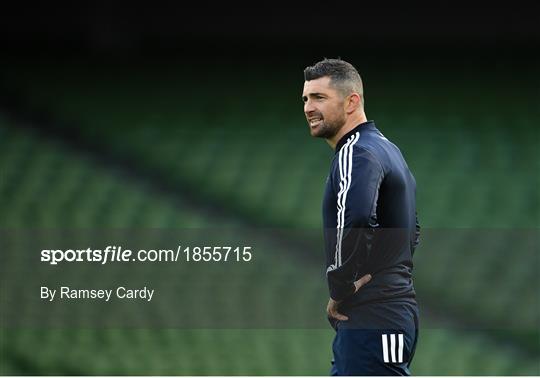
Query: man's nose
(308,107)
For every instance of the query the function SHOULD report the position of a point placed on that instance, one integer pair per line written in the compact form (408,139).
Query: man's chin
(318,132)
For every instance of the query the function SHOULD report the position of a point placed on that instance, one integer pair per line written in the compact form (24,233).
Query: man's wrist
(343,294)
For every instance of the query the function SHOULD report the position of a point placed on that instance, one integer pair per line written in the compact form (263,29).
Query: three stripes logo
(395,348)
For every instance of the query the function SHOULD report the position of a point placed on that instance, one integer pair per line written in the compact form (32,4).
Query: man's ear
(353,102)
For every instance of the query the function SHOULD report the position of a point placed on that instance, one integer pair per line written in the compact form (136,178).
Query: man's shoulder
(369,151)
(379,147)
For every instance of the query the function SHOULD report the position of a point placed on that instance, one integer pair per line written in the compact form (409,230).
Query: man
(370,228)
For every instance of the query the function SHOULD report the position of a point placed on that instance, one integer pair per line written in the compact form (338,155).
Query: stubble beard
(328,129)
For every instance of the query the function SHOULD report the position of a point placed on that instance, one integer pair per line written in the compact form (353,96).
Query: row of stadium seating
(234,352)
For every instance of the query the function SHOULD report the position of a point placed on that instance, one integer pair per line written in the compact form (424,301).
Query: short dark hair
(343,76)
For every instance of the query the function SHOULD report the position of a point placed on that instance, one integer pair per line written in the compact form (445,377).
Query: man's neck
(351,123)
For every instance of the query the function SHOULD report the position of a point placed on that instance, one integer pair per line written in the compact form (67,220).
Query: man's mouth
(315,121)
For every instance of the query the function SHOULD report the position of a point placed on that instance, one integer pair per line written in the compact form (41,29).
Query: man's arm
(357,179)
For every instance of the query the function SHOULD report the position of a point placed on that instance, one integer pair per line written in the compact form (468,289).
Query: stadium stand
(477,194)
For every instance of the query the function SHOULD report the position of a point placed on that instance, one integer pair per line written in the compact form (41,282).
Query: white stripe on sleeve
(345,172)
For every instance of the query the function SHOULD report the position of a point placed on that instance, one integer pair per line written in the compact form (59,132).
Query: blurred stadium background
(149,120)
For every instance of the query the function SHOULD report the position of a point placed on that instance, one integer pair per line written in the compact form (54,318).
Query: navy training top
(369,218)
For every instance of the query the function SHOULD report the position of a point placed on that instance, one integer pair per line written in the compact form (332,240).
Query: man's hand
(332,307)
